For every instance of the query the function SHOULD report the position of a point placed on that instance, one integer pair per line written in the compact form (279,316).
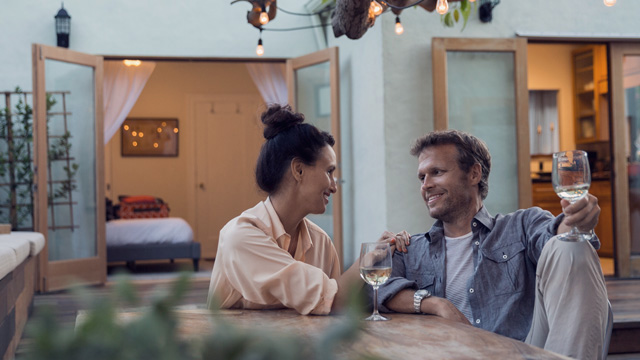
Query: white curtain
(122,86)
(271,82)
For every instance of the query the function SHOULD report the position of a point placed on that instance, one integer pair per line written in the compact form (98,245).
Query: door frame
(92,270)
(626,264)
(517,46)
(326,55)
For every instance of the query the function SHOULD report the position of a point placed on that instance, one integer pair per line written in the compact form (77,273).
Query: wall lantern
(63,27)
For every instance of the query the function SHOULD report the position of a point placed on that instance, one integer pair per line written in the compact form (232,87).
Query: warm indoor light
(375,8)
(164,124)
(472,0)
(159,130)
(135,143)
(134,133)
(140,134)
(175,130)
(155,145)
(399,27)
(264,18)
(260,48)
(610,2)
(132,62)
(126,127)
(442,7)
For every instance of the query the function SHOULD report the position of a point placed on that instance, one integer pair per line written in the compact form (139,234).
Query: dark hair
(471,150)
(288,137)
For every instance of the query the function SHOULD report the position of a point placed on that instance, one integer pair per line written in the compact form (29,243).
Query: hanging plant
(458,11)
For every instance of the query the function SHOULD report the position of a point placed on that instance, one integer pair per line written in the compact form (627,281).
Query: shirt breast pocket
(424,279)
(506,268)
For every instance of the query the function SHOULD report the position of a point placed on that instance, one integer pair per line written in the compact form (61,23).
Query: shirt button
(477,242)
(504,256)
(475,224)
(471,290)
(477,321)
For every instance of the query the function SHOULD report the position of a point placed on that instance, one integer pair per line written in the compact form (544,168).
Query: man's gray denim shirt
(505,253)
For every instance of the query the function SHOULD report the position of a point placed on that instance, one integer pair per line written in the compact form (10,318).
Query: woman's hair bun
(278,118)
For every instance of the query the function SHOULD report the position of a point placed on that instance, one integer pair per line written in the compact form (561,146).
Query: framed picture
(149,137)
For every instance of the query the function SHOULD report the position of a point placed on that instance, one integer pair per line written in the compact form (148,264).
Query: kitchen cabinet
(591,111)
(544,197)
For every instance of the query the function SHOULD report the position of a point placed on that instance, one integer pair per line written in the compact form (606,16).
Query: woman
(271,256)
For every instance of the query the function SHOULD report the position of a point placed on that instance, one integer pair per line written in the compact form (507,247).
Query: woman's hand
(398,241)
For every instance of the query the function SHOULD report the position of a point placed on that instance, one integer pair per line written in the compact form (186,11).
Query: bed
(168,238)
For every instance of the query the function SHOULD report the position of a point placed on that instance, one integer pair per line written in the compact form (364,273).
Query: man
(506,274)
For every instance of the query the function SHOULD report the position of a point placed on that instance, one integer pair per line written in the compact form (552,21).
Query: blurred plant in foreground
(154,334)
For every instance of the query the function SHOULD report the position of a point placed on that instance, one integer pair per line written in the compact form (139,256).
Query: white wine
(374,275)
(572,193)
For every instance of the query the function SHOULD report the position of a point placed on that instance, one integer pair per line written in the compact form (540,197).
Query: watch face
(421,293)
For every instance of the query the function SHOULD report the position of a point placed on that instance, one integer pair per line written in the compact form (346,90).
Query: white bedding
(148,231)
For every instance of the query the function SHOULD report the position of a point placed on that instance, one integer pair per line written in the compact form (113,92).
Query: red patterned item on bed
(143,207)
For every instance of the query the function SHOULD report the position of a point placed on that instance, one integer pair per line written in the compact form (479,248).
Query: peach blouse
(254,270)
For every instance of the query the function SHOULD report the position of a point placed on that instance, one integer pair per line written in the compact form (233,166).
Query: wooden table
(404,336)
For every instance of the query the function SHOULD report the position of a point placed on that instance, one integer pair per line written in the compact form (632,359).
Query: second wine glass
(571,178)
(375,269)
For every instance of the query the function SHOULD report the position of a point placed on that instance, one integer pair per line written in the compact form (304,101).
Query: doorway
(569,109)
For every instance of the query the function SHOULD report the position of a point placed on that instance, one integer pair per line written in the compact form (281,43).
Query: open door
(480,86)
(625,110)
(313,85)
(69,201)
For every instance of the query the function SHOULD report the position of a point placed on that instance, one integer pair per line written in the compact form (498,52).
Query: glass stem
(375,300)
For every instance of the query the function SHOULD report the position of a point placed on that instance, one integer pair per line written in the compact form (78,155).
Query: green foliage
(458,11)
(16,158)
(153,335)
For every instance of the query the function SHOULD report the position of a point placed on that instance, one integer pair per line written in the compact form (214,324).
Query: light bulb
(264,18)
(442,7)
(610,2)
(376,8)
(260,48)
(399,27)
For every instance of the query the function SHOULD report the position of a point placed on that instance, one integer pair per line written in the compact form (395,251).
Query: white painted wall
(193,28)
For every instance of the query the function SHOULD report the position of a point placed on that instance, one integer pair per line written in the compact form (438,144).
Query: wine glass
(571,179)
(375,269)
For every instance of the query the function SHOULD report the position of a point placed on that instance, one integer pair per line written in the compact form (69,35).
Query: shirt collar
(282,238)
(437,229)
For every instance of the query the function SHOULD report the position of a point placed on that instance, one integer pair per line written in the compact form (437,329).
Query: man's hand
(582,214)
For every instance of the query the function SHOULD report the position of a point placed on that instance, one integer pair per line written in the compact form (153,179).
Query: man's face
(446,189)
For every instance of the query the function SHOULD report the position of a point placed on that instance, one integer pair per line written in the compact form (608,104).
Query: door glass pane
(71,162)
(313,99)
(631,70)
(481,93)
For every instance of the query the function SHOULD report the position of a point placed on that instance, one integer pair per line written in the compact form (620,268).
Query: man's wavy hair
(471,150)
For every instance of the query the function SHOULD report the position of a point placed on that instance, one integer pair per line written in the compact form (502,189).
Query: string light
(376,8)
(610,2)
(399,27)
(442,7)
(260,48)
(264,18)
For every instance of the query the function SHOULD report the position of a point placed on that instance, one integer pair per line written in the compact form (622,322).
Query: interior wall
(165,96)
(555,75)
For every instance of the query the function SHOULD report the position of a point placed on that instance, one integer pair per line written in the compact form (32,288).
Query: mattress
(169,230)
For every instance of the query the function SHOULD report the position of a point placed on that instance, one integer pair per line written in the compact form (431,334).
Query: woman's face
(318,182)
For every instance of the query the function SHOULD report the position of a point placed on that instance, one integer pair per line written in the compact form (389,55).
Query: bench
(18,264)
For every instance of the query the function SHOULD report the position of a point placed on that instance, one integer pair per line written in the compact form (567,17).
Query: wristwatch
(418,296)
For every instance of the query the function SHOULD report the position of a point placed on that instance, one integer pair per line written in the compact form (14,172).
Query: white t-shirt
(459,268)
